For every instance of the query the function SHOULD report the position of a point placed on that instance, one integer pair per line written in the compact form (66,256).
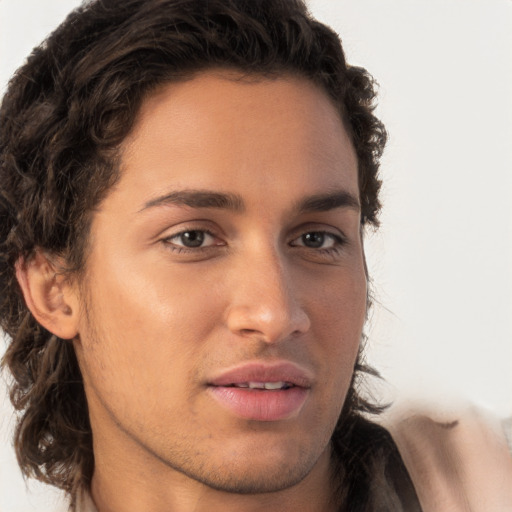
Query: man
(185,187)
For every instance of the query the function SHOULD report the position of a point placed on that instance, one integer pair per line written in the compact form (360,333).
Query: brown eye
(192,239)
(317,240)
(314,240)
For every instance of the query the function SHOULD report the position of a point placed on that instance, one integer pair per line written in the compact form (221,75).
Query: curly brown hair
(65,113)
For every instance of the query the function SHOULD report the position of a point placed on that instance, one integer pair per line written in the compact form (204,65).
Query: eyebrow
(233,202)
(199,199)
(329,201)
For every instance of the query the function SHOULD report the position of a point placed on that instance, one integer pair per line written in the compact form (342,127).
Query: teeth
(256,385)
(275,385)
(264,385)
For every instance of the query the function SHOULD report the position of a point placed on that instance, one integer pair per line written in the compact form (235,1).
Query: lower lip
(261,405)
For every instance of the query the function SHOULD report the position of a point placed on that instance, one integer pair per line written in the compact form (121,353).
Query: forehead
(220,130)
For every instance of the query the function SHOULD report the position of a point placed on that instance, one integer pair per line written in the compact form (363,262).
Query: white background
(442,261)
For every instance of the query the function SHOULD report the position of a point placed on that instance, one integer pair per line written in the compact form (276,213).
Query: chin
(257,467)
(251,480)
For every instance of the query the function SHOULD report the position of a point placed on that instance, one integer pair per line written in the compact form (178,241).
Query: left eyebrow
(329,201)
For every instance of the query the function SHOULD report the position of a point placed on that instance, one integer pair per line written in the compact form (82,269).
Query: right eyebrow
(198,199)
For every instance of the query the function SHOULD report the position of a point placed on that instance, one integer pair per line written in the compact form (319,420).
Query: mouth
(262,392)
(267,386)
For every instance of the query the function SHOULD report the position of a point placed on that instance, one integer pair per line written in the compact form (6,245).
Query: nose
(264,302)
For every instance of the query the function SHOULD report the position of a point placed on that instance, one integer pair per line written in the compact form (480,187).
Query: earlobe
(49,295)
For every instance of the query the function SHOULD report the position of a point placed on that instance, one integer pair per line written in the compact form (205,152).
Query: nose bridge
(265,302)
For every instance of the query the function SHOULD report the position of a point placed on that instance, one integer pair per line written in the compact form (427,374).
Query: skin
(158,320)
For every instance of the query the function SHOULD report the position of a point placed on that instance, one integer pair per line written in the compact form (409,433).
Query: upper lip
(285,371)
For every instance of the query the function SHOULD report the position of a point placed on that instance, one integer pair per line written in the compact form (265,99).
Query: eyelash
(339,242)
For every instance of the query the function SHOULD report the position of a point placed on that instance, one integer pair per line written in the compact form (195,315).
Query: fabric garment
(461,463)
(423,463)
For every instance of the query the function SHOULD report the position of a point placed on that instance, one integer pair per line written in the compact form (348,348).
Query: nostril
(248,332)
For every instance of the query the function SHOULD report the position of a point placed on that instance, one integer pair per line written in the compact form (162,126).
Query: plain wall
(441,264)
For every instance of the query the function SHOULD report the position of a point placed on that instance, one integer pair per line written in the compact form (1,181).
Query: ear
(50,296)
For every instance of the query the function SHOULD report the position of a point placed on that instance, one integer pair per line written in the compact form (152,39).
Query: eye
(318,240)
(192,239)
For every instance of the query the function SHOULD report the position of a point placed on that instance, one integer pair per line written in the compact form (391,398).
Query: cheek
(339,303)
(140,327)
(133,296)
(339,314)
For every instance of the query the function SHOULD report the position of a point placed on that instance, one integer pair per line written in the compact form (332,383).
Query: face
(225,291)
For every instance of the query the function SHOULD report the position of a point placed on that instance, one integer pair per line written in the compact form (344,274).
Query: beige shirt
(458,464)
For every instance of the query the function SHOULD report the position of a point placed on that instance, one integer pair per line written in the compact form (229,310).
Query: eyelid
(337,238)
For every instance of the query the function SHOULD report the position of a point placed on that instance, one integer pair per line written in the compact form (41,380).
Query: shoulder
(457,461)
